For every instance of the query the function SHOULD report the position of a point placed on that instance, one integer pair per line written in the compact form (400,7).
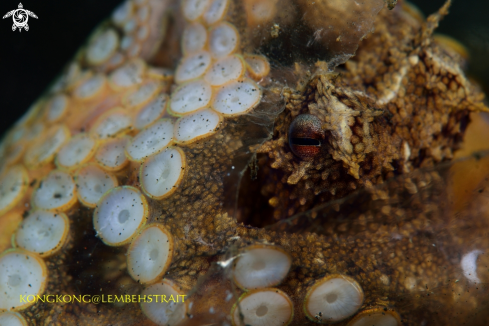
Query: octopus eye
(305,135)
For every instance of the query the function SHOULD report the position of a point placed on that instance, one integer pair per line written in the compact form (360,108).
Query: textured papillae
(276,162)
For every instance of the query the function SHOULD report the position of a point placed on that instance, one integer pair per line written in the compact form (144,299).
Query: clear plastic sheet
(314,30)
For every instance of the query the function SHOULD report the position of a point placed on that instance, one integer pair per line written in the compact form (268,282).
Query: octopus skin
(277,163)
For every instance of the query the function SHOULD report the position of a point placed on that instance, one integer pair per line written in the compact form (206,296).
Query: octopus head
(331,139)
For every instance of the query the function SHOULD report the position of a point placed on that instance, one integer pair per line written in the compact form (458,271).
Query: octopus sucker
(92,182)
(12,318)
(150,140)
(264,306)
(110,156)
(279,163)
(120,213)
(13,186)
(260,266)
(23,273)
(171,313)
(43,232)
(150,254)
(334,298)
(56,192)
(377,316)
(78,150)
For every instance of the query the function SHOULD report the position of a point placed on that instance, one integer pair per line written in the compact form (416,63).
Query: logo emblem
(20,17)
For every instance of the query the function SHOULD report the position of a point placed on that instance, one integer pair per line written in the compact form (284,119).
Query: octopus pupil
(261,311)
(14,280)
(123,216)
(331,297)
(305,135)
(305,142)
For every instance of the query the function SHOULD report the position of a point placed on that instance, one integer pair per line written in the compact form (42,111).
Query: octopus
(245,162)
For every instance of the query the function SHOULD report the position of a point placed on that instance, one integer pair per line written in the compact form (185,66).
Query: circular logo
(20,17)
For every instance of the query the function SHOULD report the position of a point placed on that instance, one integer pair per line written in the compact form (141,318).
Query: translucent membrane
(258,66)
(142,94)
(197,125)
(13,185)
(43,232)
(111,123)
(57,107)
(150,254)
(223,40)
(270,307)
(111,155)
(260,266)
(165,313)
(377,317)
(190,97)
(92,182)
(90,88)
(333,298)
(119,214)
(237,97)
(123,13)
(193,66)
(79,149)
(193,9)
(194,38)
(56,192)
(225,70)
(102,47)
(151,112)
(43,150)
(216,11)
(151,140)
(12,319)
(128,75)
(21,273)
(161,174)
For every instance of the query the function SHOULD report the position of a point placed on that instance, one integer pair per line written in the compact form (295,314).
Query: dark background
(29,61)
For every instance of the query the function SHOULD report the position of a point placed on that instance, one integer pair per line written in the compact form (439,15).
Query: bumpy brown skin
(404,255)
(401,103)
